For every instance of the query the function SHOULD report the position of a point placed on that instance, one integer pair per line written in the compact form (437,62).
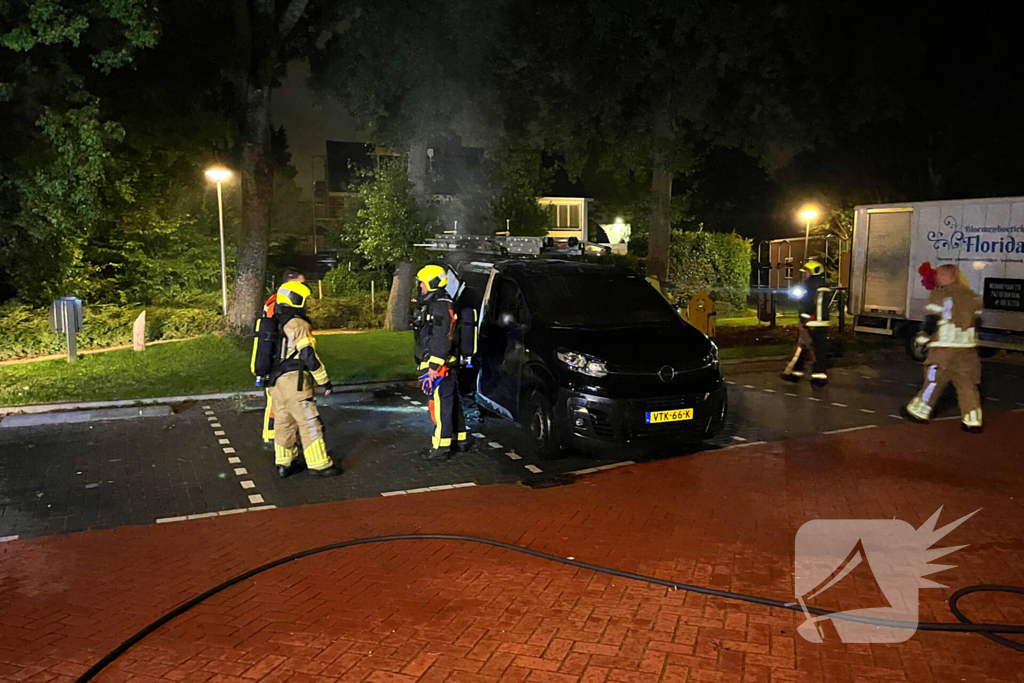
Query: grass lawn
(204,365)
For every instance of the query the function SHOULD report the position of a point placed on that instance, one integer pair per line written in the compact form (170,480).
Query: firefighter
(436,351)
(949,332)
(812,340)
(297,420)
(290,275)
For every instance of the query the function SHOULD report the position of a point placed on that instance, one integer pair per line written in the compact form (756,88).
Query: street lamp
(808,213)
(219,175)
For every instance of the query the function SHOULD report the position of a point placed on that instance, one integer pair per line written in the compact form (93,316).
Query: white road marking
(208,412)
(445,487)
(514,456)
(991,398)
(415,403)
(849,429)
(221,513)
(206,407)
(744,445)
(897,417)
(218,433)
(256,499)
(812,398)
(534,469)
(790,393)
(211,419)
(840,405)
(6,539)
(943,419)
(406,397)
(601,468)
(215,425)
(729,382)
(889,381)
(769,391)
(738,438)
(589,470)
(223,442)
(478,435)
(229,450)
(865,410)
(248,484)
(495,444)
(749,386)
(241,470)
(234,461)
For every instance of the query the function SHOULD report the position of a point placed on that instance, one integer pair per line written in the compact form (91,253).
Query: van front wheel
(540,426)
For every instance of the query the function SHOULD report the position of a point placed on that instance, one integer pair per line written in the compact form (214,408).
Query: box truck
(984,237)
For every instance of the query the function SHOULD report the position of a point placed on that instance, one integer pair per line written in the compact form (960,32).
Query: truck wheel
(540,426)
(908,331)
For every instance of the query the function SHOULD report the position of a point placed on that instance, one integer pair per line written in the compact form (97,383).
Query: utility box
(701,313)
(66,318)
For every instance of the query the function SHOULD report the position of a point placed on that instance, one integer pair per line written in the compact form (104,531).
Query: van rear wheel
(540,426)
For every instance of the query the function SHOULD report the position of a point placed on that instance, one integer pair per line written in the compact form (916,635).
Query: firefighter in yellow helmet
(812,342)
(296,418)
(949,331)
(268,412)
(436,350)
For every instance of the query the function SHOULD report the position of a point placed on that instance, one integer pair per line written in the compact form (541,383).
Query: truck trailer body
(984,237)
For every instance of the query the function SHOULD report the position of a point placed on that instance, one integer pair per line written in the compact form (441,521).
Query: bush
(25,331)
(342,282)
(348,312)
(711,262)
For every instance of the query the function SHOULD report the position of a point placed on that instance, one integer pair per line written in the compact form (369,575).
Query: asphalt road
(206,459)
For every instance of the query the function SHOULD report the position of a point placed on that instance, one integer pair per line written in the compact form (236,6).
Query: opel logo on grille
(667,374)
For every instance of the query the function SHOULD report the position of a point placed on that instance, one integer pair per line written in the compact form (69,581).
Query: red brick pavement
(462,613)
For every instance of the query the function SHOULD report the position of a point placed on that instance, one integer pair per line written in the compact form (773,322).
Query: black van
(586,355)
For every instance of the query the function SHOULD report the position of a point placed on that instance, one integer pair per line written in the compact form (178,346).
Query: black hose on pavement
(990,631)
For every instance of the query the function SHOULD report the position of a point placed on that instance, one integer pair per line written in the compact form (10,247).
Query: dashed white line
(534,469)
(415,403)
(812,398)
(729,382)
(240,471)
(943,419)
(221,513)
(215,425)
(234,460)
(223,442)
(248,484)
(749,386)
(614,465)
(840,405)
(388,494)
(406,397)
(478,435)
(229,449)
(218,433)
(464,485)
(495,444)
(867,411)
(6,539)
(211,419)
(790,393)
(738,438)
(897,417)
(445,487)
(206,407)
(769,391)
(849,429)
(514,456)
(256,499)
(420,490)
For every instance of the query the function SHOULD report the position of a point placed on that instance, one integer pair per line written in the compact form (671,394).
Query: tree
(389,224)
(523,180)
(641,85)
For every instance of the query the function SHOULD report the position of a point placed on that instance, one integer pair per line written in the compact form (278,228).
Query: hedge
(711,262)
(25,331)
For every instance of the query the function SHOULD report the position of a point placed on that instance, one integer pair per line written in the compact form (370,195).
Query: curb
(131,402)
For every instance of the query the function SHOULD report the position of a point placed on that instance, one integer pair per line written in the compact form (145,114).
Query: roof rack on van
(509,245)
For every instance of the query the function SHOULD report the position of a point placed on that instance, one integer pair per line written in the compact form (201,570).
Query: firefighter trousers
(945,365)
(297,422)
(268,420)
(811,347)
(446,412)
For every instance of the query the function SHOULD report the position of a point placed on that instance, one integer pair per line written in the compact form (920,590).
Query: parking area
(205,459)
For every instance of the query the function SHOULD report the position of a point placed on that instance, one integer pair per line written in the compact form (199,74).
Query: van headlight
(711,360)
(798,292)
(583,363)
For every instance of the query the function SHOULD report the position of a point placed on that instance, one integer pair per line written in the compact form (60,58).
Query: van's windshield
(598,300)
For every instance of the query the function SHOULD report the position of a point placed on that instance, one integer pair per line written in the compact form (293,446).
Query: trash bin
(701,313)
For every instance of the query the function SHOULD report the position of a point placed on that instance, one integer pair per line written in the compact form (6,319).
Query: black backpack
(266,348)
